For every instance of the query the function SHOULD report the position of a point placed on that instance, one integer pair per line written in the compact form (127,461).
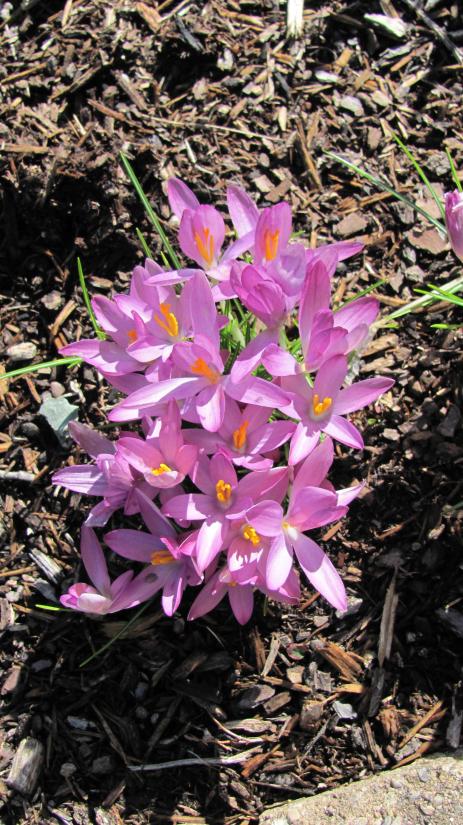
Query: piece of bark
(26,767)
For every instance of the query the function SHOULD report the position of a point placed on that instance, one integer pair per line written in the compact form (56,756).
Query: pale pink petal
(90,440)
(209,597)
(320,571)
(94,560)
(210,541)
(133,544)
(266,517)
(243,211)
(315,468)
(344,431)
(361,394)
(313,507)
(279,562)
(241,601)
(180,197)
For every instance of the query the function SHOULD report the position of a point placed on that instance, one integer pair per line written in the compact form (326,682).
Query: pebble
(24,351)
(67,769)
(352,104)
(57,389)
(103,765)
(30,430)
(423,775)
(52,300)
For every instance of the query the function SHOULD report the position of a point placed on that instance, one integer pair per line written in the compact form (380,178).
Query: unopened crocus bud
(454,221)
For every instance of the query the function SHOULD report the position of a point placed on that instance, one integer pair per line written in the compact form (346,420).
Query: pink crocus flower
(162,458)
(322,408)
(323,333)
(111,477)
(172,561)
(202,233)
(104,596)
(222,500)
(454,221)
(241,596)
(245,437)
(310,506)
(200,369)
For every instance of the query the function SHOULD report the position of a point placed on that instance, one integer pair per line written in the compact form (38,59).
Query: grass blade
(363,292)
(98,331)
(149,211)
(58,362)
(420,172)
(386,187)
(116,635)
(425,300)
(453,170)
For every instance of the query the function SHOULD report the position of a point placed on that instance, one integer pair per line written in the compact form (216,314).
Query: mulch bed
(300,699)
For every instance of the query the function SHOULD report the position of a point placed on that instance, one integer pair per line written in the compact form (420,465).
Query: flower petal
(320,571)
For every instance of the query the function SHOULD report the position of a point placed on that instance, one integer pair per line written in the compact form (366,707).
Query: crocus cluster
(227,470)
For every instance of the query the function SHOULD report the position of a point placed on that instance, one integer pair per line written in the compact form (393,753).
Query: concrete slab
(427,792)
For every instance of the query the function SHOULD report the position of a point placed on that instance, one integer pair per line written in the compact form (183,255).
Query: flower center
(223,491)
(271,244)
(320,407)
(132,335)
(239,435)
(168,322)
(161,557)
(163,468)
(199,367)
(205,243)
(251,535)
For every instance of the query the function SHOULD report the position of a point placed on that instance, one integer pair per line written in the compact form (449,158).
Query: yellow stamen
(161,557)
(163,468)
(286,525)
(201,368)
(132,335)
(223,491)
(251,535)
(169,323)
(205,245)
(239,436)
(320,407)
(271,244)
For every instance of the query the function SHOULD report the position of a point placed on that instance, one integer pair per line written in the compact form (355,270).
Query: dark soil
(214,92)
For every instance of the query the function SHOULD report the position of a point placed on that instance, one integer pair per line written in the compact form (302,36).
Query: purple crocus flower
(222,500)
(240,596)
(321,408)
(310,506)
(111,476)
(104,596)
(200,368)
(245,436)
(173,566)
(162,458)
(454,221)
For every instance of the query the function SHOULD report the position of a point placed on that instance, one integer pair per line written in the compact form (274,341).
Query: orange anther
(239,435)
(223,491)
(169,322)
(199,367)
(271,244)
(205,244)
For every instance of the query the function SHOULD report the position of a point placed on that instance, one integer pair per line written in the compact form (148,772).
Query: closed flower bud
(454,221)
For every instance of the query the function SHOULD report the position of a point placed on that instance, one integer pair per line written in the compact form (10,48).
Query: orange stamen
(271,244)
(239,436)
(132,335)
(223,491)
(161,557)
(163,468)
(251,535)
(205,245)
(320,407)
(169,323)
(199,367)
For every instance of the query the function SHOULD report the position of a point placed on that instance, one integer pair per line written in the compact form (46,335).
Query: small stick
(198,761)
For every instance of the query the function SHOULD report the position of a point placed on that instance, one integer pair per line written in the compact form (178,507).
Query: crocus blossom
(104,596)
(227,471)
(454,221)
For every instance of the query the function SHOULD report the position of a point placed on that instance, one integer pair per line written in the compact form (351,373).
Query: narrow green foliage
(54,609)
(149,211)
(98,331)
(433,296)
(58,362)
(419,169)
(455,177)
(441,294)
(386,187)
(117,635)
(364,292)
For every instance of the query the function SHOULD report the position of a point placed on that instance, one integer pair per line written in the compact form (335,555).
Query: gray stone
(24,351)
(405,796)
(58,412)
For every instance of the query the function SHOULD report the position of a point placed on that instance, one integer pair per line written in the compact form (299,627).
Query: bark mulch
(299,700)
